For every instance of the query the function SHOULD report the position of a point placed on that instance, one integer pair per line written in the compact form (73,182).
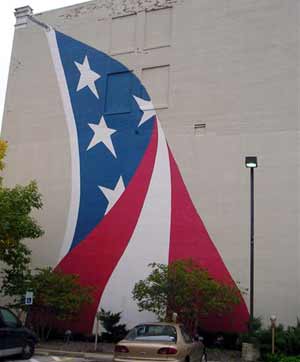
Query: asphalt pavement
(103,357)
(42,356)
(51,355)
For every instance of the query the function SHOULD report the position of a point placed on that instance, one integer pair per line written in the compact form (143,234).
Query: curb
(96,356)
(55,352)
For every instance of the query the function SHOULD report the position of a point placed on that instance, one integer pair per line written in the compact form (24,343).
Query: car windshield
(9,318)
(152,332)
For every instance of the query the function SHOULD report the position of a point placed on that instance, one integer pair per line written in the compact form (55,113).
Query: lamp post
(273,325)
(98,316)
(251,162)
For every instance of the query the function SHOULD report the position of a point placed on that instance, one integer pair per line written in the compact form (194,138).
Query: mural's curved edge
(74,150)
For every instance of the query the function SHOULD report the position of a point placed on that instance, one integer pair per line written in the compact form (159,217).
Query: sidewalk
(105,350)
(56,352)
(75,349)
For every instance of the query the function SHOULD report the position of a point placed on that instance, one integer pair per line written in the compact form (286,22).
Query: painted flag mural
(129,205)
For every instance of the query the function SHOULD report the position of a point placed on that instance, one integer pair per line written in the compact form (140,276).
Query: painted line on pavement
(58,359)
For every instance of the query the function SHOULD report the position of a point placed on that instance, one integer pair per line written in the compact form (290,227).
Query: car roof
(158,324)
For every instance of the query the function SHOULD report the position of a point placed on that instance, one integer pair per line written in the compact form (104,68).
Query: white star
(87,76)
(102,134)
(146,107)
(113,195)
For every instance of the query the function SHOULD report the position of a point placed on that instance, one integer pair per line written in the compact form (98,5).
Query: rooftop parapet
(21,15)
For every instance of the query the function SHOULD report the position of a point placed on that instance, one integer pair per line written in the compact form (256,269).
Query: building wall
(231,65)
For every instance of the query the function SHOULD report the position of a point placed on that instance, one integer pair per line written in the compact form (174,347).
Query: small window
(187,338)
(9,318)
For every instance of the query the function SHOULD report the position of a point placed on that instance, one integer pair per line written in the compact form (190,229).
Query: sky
(7,22)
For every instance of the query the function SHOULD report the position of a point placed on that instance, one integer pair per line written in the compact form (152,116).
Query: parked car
(158,342)
(14,338)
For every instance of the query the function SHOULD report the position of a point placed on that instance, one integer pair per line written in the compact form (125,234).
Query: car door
(3,333)
(13,333)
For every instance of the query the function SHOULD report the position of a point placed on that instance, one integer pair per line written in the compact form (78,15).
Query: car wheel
(27,350)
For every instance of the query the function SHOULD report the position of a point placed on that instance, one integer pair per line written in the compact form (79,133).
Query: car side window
(1,321)
(187,338)
(9,318)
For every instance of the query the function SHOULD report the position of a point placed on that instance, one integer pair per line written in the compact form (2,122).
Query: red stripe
(190,240)
(95,257)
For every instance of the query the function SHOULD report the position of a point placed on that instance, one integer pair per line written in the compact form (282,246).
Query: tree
(16,224)
(16,273)
(3,149)
(185,288)
(57,296)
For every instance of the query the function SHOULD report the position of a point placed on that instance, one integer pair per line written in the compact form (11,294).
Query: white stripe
(75,181)
(149,243)
(58,359)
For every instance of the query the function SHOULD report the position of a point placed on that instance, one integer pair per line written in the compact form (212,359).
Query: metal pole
(251,245)
(96,334)
(273,338)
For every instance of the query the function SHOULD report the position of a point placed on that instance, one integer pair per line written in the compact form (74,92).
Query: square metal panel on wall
(119,84)
(156,80)
(158,28)
(123,34)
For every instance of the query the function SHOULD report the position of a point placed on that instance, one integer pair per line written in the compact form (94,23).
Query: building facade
(222,77)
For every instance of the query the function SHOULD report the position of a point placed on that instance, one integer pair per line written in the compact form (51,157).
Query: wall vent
(199,128)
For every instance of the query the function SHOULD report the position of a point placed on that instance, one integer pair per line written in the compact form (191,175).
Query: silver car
(158,342)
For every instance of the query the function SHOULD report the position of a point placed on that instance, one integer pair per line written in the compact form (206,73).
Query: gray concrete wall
(232,65)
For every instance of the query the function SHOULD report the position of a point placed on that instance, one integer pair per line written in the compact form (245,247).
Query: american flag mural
(129,205)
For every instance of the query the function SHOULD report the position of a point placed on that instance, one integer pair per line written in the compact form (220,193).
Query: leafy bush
(272,357)
(264,337)
(292,339)
(287,341)
(114,331)
(281,358)
(253,335)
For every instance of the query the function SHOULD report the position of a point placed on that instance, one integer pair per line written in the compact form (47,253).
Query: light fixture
(251,161)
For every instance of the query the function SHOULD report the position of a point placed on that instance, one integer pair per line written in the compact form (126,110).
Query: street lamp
(251,162)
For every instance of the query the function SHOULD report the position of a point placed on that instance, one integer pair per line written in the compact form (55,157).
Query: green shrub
(287,341)
(292,340)
(252,336)
(264,338)
(281,358)
(290,359)
(114,331)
